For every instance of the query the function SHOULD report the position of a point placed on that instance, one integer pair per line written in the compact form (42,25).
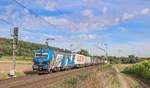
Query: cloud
(87,21)
(84,36)
(92,36)
(127,16)
(46,4)
(9,9)
(145,11)
(57,21)
(131,47)
(27,38)
(50,6)
(5,31)
(90,3)
(104,10)
(123,29)
(87,13)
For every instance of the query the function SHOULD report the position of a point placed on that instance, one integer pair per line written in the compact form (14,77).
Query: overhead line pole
(47,40)
(106,46)
(105,50)
(15,40)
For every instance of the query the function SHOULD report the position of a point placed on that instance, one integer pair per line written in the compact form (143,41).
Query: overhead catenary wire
(40,17)
(10,23)
(22,35)
(33,12)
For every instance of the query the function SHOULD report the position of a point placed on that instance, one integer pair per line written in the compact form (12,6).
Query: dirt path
(143,85)
(123,82)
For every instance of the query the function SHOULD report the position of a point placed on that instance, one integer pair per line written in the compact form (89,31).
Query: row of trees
(116,60)
(26,49)
(126,60)
(84,52)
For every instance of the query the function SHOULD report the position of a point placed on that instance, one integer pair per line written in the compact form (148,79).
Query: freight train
(46,61)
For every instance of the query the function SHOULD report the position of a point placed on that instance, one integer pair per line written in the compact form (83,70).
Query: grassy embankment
(140,70)
(104,77)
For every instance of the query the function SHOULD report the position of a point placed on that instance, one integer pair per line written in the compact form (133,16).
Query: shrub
(1,54)
(140,69)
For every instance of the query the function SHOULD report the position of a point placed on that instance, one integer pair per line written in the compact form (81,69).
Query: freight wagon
(46,61)
(57,62)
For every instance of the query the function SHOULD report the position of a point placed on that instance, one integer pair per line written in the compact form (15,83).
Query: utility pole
(106,46)
(119,51)
(71,45)
(15,41)
(106,50)
(47,40)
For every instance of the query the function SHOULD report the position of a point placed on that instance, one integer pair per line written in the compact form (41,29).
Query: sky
(124,25)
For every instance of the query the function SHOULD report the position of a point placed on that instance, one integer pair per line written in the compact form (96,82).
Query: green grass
(105,76)
(19,60)
(6,75)
(70,83)
(17,57)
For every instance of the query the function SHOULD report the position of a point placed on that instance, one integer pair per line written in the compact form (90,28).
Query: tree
(131,56)
(83,52)
(132,59)
(1,54)
(113,59)
(25,49)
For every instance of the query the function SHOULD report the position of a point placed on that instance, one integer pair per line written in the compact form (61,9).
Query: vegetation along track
(42,81)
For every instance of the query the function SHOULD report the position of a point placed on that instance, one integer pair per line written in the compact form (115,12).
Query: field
(140,70)
(23,67)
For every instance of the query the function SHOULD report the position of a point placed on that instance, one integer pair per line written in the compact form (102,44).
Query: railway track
(43,81)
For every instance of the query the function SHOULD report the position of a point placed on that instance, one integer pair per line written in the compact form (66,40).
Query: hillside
(23,48)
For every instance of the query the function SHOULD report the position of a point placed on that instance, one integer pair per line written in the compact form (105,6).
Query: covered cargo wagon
(87,61)
(79,60)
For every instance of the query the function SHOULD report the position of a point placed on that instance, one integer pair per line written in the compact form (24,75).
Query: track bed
(43,81)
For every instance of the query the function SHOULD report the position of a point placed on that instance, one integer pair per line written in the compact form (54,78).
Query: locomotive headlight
(35,67)
(45,67)
(36,62)
(46,62)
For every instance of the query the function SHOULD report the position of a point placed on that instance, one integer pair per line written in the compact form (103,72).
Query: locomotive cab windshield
(41,54)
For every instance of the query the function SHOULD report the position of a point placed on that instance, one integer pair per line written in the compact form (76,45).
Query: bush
(140,69)
(1,54)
